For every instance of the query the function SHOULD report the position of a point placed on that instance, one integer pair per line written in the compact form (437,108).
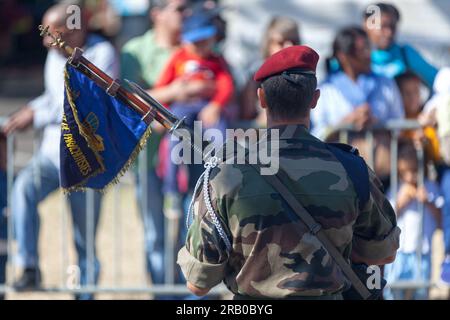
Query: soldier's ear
(315,98)
(262,97)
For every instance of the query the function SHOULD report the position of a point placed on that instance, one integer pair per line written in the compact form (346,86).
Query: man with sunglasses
(143,58)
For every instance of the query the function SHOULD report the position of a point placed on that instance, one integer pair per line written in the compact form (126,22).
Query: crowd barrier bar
(171,223)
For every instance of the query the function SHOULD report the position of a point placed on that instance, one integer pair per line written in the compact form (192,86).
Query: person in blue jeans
(33,184)
(153,220)
(3,221)
(390,58)
(3,230)
(37,180)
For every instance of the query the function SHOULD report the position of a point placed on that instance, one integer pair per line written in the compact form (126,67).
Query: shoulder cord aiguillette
(209,165)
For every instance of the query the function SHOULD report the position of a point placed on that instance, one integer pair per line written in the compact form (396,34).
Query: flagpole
(112,87)
(138,100)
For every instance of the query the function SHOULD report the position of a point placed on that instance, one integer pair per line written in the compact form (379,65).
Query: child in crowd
(196,60)
(409,85)
(413,261)
(437,113)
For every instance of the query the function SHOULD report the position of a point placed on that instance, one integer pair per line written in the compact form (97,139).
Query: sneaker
(172,205)
(30,279)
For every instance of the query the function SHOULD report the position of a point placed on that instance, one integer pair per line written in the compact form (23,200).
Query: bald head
(58,18)
(56,15)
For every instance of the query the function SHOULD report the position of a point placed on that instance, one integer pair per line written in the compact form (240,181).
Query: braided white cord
(210,164)
(208,167)
(191,204)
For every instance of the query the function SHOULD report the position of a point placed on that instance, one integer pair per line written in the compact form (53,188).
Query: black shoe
(83,296)
(30,279)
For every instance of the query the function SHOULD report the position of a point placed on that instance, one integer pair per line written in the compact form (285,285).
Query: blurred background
(121,239)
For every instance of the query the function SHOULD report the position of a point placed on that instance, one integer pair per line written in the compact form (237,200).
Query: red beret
(300,58)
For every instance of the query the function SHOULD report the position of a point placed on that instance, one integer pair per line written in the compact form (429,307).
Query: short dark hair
(405,76)
(407,151)
(344,42)
(161,4)
(288,100)
(346,39)
(158,4)
(286,27)
(385,8)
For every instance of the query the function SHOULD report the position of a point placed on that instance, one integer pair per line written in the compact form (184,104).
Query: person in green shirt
(142,60)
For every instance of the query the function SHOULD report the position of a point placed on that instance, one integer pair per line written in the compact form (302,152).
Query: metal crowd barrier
(169,288)
(395,127)
(72,286)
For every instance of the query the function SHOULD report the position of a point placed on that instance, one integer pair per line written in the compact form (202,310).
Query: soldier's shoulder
(231,170)
(344,147)
(227,178)
(354,154)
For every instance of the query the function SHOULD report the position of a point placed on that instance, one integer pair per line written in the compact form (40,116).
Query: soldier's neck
(285,122)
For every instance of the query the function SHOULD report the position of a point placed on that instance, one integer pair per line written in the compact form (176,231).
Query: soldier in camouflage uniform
(269,257)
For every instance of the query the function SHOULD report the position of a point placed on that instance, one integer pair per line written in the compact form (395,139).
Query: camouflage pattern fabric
(270,258)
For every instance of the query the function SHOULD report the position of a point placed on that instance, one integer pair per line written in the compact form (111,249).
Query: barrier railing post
(370,146)
(394,161)
(90,229)
(143,191)
(63,235)
(117,235)
(343,136)
(11,275)
(171,235)
(36,169)
(421,206)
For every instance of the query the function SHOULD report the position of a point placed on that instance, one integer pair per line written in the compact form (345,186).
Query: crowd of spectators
(371,79)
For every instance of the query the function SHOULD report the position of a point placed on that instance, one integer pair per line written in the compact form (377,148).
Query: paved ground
(119,243)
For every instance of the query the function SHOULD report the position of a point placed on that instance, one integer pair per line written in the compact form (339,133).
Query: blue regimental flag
(100,135)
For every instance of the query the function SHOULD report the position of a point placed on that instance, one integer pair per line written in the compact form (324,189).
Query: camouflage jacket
(269,257)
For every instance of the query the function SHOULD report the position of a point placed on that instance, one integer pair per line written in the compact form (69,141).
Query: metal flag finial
(57,40)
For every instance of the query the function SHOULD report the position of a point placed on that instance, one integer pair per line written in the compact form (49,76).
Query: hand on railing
(406,194)
(428,118)
(18,121)
(361,118)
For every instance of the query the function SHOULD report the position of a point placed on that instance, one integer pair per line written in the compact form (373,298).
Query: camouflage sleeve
(376,235)
(204,257)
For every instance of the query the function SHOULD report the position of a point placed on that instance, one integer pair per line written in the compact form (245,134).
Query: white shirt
(409,221)
(383,98)
(48,107)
